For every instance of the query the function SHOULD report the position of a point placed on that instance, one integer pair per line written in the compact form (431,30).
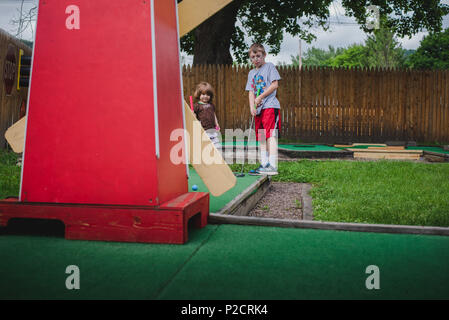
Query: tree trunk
(213,36)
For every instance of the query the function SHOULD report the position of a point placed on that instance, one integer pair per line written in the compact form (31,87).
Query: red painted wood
(173,178)
(90,156)
(90,133)
(165,224)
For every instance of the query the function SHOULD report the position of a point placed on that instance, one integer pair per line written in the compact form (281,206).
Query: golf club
(241,174)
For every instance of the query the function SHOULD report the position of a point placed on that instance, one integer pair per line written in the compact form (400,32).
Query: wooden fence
(338,105)
(11,100)
(318,104)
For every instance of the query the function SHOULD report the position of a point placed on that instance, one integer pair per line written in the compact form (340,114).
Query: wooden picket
(338,104)
(328,105)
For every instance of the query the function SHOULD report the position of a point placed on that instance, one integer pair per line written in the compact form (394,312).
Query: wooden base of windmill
(167,223)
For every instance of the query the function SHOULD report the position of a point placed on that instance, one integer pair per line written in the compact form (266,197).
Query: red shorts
(267,121)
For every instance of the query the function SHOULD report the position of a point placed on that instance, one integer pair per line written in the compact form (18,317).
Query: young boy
(264,106)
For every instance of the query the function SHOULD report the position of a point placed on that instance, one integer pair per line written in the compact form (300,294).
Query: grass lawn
(9,174)
(379,192)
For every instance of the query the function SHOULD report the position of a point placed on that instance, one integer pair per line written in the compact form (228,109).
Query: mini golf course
(224,261)
(229,262)
(218,203)
(355,151)
(235,149)
(313,151)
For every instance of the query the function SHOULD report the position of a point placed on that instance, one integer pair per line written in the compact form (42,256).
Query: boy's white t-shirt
(261,79)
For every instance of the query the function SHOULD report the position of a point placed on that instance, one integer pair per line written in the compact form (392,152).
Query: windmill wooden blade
(205,158)
(15,135)
(192,13)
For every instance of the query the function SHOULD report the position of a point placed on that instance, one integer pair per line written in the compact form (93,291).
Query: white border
(28,103)
(182,93)
(153,53)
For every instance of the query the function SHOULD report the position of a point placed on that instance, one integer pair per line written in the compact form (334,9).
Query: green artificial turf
(239,143)
(293,147)
(432,149)
(242,262)
(217,203)
(364,146)
(33,267)
(296,147)
(229,262)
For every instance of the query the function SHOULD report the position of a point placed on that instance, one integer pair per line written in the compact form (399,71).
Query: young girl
(205,112)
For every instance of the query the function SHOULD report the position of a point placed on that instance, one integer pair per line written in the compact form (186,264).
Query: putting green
(33,267)
(229,262)
(431,149)
(239,143)
(217,203)
(308,147)
(293,147)
(365,146)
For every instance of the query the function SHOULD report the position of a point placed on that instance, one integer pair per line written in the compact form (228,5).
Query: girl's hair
(204,87)
(257,47)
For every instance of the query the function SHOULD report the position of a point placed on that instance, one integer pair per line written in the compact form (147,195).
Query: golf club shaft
(249,137)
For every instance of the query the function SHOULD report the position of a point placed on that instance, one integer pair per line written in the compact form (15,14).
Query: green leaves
(433,52)
(266,21)
(380,50)
(405,17)
(353,56)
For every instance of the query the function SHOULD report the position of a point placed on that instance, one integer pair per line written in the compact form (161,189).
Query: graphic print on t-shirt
(258,84)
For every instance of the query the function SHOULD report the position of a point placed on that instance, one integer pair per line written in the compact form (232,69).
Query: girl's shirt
(205,113)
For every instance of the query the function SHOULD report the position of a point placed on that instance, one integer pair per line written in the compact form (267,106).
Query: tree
(317,57)
(26,18)
(433,52)
(210,43)
(383,49)
(407,54)
(265,21)
(353,56)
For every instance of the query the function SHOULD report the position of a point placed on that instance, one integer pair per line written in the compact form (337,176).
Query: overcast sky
(340,35)
(343,31)
(10,9)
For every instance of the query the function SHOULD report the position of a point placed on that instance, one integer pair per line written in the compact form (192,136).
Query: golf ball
(194,187)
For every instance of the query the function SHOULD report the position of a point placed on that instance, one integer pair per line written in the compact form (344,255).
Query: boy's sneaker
(257,171)
(268,170)
(260,167)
